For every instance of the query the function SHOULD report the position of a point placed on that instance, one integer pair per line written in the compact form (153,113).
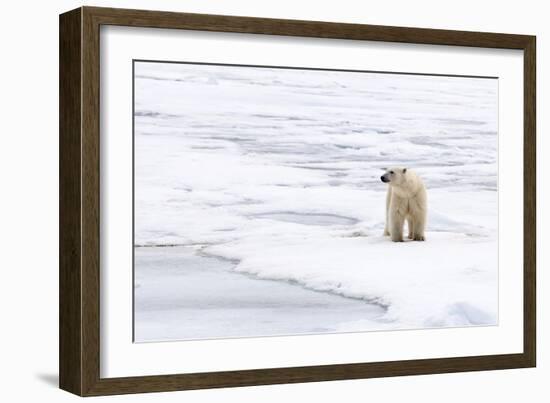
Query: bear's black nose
(383,179)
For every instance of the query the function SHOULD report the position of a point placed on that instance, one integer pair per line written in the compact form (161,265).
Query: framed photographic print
(248,201)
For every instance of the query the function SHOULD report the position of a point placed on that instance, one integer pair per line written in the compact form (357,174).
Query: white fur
(406,200)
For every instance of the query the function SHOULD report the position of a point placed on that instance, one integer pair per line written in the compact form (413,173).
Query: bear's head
(394,176)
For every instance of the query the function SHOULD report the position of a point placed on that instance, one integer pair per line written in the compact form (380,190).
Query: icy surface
(180,294)
(278,171)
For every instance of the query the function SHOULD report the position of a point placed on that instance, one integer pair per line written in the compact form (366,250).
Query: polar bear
(406,200)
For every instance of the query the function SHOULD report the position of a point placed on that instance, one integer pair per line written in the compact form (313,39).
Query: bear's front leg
(418,234)
(410,224)
(397,222)
(388,202)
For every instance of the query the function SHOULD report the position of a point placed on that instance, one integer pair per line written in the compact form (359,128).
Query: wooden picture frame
(79,201)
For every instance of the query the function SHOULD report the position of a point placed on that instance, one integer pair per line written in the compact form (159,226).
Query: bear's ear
(404,170)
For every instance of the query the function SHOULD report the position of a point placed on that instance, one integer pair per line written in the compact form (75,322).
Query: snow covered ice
(247,174)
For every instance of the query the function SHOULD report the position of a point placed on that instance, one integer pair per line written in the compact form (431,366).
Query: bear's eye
(391,172)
